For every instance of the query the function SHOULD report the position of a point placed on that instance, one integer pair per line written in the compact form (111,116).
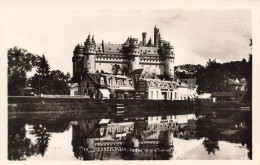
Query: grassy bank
(34,104)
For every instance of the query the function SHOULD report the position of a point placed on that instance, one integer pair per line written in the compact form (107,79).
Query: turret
(169,56)
(133,54)
(77,59)
(89,55)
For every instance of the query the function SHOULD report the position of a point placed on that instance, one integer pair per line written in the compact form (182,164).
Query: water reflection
(42,138)
(135,138)
(19,146)
(130,138)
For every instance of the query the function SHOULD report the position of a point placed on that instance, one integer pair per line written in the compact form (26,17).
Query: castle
(155,57)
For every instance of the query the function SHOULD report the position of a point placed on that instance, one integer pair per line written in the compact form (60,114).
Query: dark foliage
(19,63)
(19,147)
(45,81)
(54,83)
(214,76)
(44,67)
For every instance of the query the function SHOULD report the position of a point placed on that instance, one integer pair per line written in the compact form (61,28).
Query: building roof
(223,94)
(137,71)
(190,82)
(144,50)
(182,84)
(204,96)
(73,85)
(112,47)
(117,76)
(243,81)
(233,82)
(104,121)
(95,77)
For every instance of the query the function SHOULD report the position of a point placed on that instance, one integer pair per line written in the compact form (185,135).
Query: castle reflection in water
(130,138)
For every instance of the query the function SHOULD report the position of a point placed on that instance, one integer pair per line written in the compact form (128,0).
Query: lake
(172,136)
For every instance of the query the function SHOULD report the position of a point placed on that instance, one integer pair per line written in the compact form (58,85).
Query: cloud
(197,35)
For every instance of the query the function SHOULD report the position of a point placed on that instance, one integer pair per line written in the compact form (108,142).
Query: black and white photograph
(128,82)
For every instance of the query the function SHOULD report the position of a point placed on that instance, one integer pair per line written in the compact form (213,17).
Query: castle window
(170,69)
(155,51)
(109,48)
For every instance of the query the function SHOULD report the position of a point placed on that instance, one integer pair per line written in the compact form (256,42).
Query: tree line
(213,77)
(44,81)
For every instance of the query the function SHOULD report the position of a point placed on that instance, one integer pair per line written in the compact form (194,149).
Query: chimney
(156,37)
(144,38)
(103,46)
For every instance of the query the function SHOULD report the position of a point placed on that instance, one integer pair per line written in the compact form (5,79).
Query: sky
(196,34)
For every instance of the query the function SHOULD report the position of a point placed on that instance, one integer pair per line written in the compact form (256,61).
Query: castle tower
(89,55)
(133,55)
(156,37)
(144,38)
(169,59)
(77,60)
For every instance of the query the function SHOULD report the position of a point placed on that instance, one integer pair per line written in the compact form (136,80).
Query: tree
(44,68)
(54,83)
(213,77)
(19,63)
(43,71)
